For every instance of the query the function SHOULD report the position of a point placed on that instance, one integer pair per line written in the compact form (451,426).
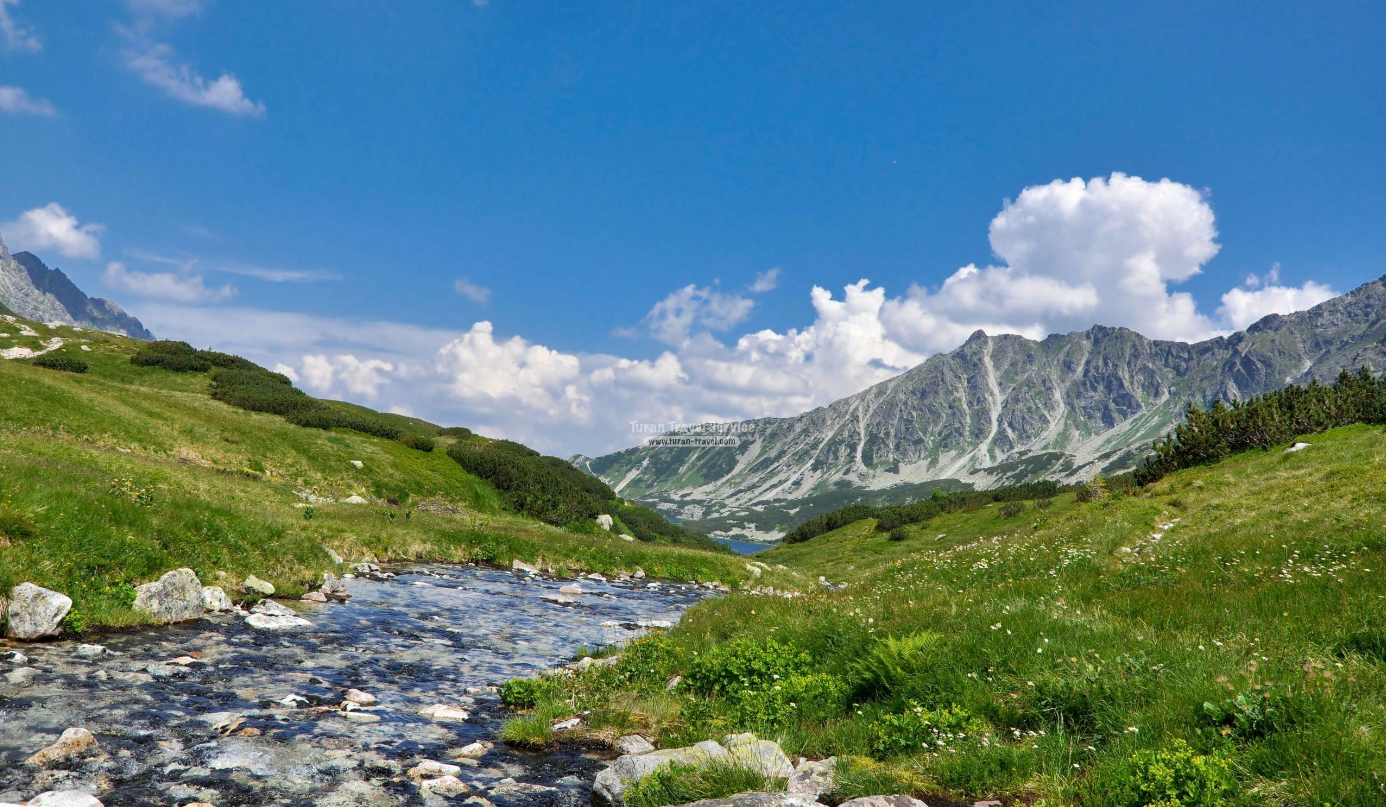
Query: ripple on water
(253,718)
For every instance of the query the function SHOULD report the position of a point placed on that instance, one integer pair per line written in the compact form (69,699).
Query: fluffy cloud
(53,227)
(14,35)
(672,319)
(511,375)
(156,63)
(17,101)
(470,290)
(1069,254)
(1259,297)
(344,374)
(180,287)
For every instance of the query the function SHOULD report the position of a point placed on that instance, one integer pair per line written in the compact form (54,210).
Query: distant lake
(745,547)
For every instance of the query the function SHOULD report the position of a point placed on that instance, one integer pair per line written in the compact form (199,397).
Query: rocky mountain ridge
(998,409)
(29,289)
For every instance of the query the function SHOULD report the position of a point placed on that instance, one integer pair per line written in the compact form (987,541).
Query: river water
(252,720)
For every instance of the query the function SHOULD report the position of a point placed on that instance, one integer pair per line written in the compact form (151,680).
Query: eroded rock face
(35,612)
(175,597)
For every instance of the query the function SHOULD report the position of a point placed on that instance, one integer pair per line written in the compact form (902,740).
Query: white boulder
(35,612)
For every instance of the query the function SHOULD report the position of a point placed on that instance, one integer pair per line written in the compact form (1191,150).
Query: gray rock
(214,599)
(35,612)
(21,677)
(760,755)
(272,608)
(175,597)
(813,779)
(610,785)
(1296,447)
(634,744)
(15,657)
(884,801)
(90,650)
(314,596)
(267,622)
(253,583)
(521,566)
(758,800)
(605,522)
(334,588)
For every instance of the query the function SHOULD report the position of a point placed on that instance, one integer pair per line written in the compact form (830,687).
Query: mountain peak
(32,290)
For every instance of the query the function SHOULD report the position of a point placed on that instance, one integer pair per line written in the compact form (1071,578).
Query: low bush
(899,534)
(420,442)
(763,686)
(524,693)
(455,431)
(1010,509)
(530,485)
(1252,715)
(1173,776)
(1094,491)
(896,662)
(66,364)
(918,728)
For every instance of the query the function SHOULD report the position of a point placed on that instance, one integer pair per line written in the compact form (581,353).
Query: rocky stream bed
(219,712)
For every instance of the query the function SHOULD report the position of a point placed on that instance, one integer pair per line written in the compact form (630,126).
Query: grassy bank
(110,477)
(1216,638)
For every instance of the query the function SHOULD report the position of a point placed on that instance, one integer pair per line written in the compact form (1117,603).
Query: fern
(895,661)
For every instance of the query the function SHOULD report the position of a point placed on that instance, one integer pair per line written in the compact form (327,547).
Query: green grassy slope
(1238,659)
(111,477)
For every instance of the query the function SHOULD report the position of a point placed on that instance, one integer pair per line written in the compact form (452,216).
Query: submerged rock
(268,622)
(442,712)
(175,597)
(35,612)
(75,743)
(333,587)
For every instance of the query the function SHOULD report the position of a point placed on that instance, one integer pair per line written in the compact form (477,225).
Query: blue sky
(349,186)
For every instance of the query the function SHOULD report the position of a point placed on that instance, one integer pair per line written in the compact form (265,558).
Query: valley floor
(1216,638)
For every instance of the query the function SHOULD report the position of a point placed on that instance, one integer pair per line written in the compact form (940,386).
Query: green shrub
(681,784)
(455,431)
(745,664)
(1010,509)
(919,729)
(66,364)
(899,534)
(1173,776)
(895,661)
(1094,491)
(531,486)
(1043,504)
(525,693)
(651,658)
(420,442)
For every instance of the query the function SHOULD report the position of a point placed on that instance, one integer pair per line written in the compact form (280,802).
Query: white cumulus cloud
(343,374)
(182,287)
(1259,297)
(17,101)
(766,281)
(672,319)
(53,227)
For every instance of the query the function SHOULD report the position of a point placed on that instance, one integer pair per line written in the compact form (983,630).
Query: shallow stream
(250,717)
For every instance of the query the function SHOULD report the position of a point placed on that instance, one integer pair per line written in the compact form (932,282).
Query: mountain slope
(999,409)
(28,288)
(110,477)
